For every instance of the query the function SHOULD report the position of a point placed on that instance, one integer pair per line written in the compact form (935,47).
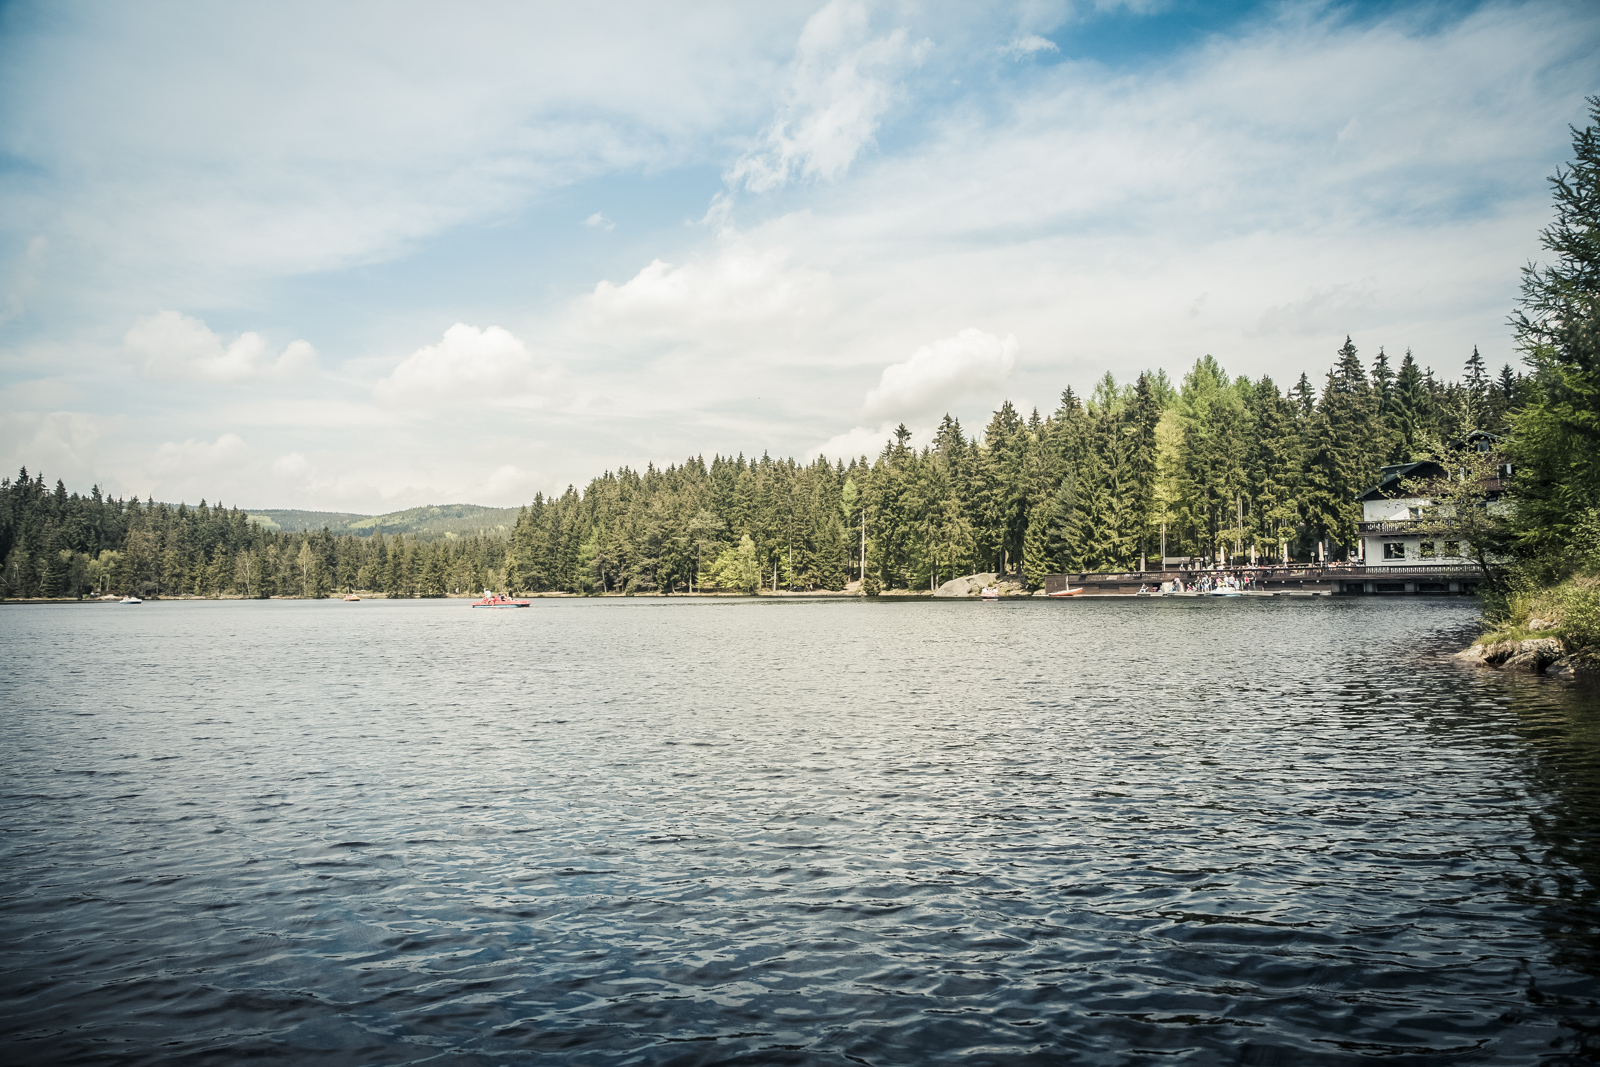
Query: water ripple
(724,832)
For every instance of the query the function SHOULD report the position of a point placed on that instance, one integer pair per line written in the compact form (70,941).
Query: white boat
(130,600)
(990,593)
(1223,592)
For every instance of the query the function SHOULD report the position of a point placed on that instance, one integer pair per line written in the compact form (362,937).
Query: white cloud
(600,222)
(1312,173)
(290,465)
(421,124)
(1028,45)
(191,458)
(172,345)
(936,374)
(1325,311)
(840,87)
(489,366)
(23,278)
(509,482)
(737,285)
(58,444)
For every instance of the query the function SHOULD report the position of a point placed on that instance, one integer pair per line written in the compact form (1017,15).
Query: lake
(670,831)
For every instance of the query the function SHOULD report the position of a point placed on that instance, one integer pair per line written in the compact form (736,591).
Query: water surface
(655,831)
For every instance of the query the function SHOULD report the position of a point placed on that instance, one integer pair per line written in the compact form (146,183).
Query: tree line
(56,544)
(1217,468)
(1553,535)
(1214,467)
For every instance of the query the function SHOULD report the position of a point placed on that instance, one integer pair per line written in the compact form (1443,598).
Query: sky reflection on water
(655,831)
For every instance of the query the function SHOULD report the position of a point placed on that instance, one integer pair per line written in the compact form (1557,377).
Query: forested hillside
(1554,587)
(289,520)
(426,523)
(1216,465)
(1224,464)
(56,544)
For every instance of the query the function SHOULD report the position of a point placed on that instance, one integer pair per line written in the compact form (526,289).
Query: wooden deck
(1440,580)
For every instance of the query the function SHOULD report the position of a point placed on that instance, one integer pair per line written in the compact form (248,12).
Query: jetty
(1306,579)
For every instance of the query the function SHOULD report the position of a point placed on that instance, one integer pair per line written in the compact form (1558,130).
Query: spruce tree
(1141,430)
(1476,387)
(1274,473)
(1305,397)
(1556,440)
(1342,460)
(1504,398)
(1384,392)
(1413,420)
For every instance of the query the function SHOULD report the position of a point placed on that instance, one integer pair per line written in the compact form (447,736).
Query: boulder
(1584,667)
(1534,654)
(971,585)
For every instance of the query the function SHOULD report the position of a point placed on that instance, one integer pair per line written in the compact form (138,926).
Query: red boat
(499,600)
(1068,592)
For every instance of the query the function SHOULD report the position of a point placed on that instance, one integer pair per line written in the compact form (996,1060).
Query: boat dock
(1354,580)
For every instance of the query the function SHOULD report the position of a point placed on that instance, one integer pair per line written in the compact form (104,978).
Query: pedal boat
(500,600)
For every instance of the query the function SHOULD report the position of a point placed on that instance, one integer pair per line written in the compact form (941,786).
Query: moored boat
(130,600)
(1068,592)
(990,592)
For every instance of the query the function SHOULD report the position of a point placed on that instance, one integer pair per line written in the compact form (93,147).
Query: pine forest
(1213,468)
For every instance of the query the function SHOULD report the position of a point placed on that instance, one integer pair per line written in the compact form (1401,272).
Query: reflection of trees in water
(1560,730)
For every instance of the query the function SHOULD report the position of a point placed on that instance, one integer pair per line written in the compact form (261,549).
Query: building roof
(1392,477)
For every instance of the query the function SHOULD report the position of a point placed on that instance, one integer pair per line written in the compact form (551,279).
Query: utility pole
(1238,504)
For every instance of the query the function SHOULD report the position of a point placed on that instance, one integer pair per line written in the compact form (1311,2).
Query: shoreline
(818,594)
(1544,656)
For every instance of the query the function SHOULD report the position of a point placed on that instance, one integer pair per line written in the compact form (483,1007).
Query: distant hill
(296,521)
(426,523)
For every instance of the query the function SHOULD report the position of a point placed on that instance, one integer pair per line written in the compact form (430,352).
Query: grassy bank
(1568,612)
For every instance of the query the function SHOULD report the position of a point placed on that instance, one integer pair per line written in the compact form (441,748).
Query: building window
(1427,549)
(1394,550)
(1452,548)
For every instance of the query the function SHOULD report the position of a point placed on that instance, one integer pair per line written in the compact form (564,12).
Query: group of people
(1205,583)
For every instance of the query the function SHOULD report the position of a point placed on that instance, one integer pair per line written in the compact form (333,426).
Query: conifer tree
(1476,387)
(1141,429)
(1274,475)
(1384,394)
(1556,441)
(1412,422)
(1341,461)
(1305,397)
(1503,399)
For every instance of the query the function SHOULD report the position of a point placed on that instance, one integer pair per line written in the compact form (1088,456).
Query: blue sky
(368,257)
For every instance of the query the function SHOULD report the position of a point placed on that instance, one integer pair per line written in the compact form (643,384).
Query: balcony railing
(1407,527)
(1456,568)
(1387,526)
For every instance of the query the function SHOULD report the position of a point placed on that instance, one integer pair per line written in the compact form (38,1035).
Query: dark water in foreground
(668,832)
